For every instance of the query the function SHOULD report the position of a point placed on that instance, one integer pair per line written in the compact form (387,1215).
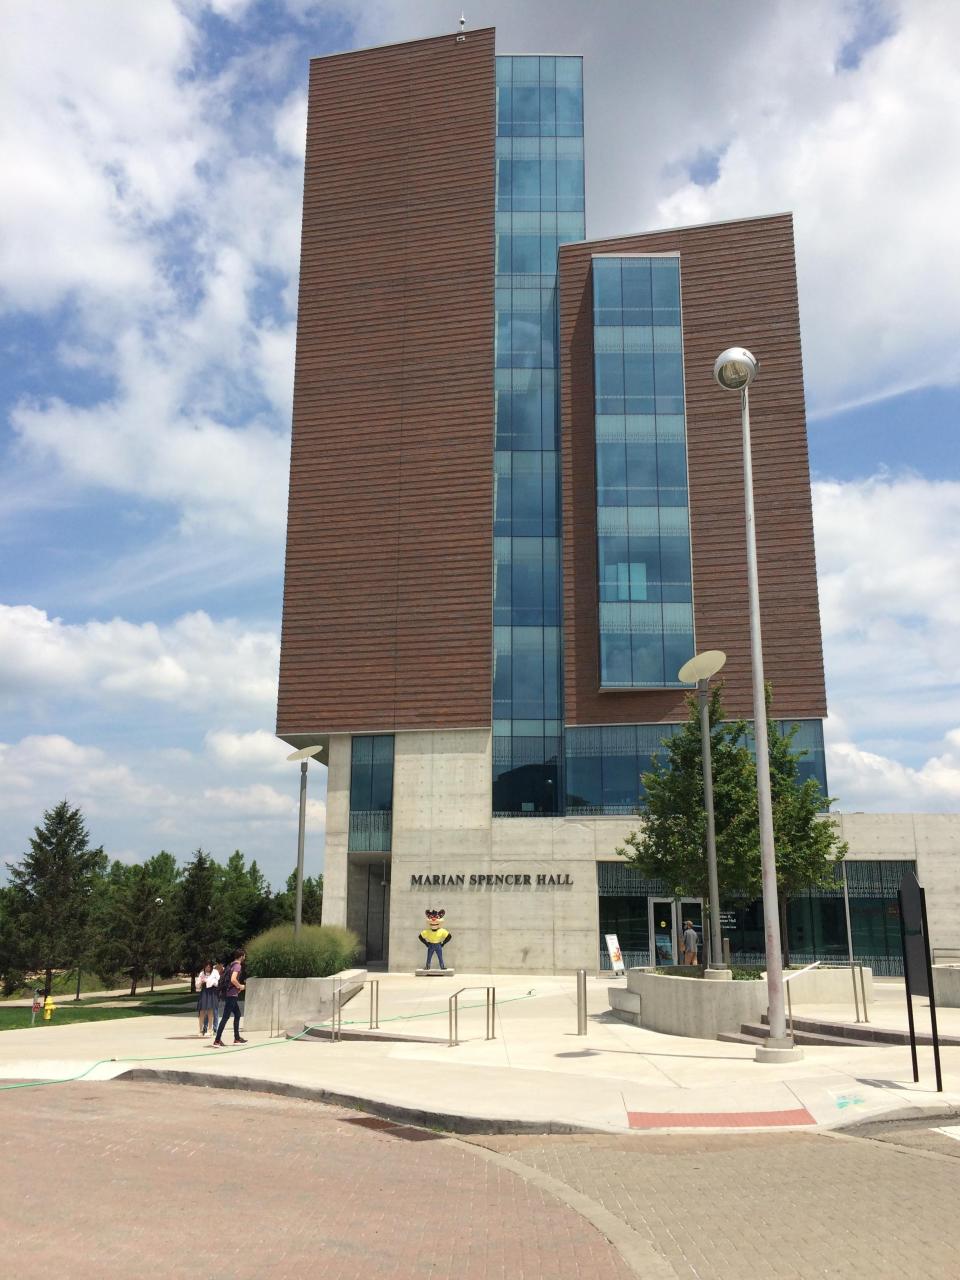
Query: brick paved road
(789,1206)
(127,1180)
(114,1180)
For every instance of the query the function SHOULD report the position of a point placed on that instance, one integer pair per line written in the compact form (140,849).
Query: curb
(904,1116)
(638,1253)
(450,1122)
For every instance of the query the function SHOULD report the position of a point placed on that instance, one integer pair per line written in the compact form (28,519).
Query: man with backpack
(231,988)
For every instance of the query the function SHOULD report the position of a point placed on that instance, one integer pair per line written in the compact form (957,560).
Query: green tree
(285,903)
(163,869)
(244,901)
(671,846)
(12,964)
(197,916)
(808,845)
(51,892)
(134,927)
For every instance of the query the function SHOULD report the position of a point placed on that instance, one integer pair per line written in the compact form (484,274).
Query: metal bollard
(581,1002)
(374,1004)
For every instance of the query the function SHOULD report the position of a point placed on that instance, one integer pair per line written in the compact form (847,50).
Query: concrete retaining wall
(693,1006)
(946,985)
(300,999)
(829,986)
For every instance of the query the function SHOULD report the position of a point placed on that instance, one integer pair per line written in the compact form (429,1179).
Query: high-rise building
(516,504)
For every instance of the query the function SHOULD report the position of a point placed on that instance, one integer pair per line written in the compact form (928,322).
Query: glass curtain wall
(643,520)
(606,763)
(540,205)
(371,793)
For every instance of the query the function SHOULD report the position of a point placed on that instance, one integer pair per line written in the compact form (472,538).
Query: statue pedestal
(434,973)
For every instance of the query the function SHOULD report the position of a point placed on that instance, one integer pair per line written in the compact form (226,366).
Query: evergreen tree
(134,927)
(51,892)
(243,900)
(12,964)
(163,869)
(198,917)
(284,904)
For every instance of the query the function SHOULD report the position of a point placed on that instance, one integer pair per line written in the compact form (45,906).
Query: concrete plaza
(537,1075)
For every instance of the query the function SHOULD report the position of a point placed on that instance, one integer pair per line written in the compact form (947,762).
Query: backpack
(225,986)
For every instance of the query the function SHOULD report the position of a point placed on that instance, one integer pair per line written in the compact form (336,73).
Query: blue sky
(149,239)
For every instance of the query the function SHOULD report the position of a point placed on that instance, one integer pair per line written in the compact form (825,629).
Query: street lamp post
(699,670)
(303,755)
(734,369)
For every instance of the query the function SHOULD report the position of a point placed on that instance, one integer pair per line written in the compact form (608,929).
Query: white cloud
(164,799)
(888,549)
(194,662)
(103,137)
(260,800)
(871,782)
(35,769)
(256,750)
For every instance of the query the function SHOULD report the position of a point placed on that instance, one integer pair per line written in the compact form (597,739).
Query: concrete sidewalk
(537,1073)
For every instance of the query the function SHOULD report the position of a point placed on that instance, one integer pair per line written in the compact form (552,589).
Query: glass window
(539,205)
(641,472)
(371,792)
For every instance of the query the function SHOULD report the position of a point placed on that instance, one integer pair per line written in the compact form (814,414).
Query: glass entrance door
(662,931)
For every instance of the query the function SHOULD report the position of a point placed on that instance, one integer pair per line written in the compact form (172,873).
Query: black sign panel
(916,956)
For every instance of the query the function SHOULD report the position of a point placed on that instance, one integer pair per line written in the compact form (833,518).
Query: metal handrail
(795,973)
(453,1013)
(854,965)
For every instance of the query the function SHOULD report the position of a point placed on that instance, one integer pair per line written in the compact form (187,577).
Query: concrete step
(759,1031)
(862,1032)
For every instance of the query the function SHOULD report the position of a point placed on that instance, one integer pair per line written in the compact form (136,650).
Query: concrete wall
(946,985)
(693,1006)
(300,999)
(829,986)
(338,826)
(933,840)
(442,825)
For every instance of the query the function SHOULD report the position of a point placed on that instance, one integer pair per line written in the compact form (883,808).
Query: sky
(152,156)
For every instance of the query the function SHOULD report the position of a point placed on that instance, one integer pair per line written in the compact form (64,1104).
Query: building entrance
(665,917)
(378,915)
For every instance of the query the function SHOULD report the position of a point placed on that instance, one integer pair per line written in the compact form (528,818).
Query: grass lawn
(65,986)
(12,1019)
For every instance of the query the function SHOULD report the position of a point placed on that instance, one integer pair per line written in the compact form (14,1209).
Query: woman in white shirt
(208,980)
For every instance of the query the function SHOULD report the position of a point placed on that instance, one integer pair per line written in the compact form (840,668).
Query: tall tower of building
(516,503)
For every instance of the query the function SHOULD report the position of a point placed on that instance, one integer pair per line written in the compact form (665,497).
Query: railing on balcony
(370,832)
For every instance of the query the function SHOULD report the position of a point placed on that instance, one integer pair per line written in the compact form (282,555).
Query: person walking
(208,979)
(690,943)
(231,988)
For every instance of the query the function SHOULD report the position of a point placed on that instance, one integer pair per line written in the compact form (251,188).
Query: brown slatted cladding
(387,596)
(738,287)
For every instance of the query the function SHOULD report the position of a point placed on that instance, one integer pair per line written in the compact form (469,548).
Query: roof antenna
(463,22)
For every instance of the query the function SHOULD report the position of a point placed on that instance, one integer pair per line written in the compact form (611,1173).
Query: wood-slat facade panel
(738,288)
(388,587)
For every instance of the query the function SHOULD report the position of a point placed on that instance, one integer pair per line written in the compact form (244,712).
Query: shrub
(319,951)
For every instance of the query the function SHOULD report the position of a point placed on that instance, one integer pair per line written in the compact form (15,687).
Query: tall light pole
(698,671)
(735,369)
(303,755)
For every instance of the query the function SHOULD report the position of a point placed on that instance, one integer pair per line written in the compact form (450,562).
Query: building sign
(542,880)
(616,955)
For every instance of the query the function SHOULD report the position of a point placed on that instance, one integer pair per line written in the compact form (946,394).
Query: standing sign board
(917,970)
(616,956)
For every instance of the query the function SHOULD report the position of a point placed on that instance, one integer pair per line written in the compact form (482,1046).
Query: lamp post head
(735,368)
